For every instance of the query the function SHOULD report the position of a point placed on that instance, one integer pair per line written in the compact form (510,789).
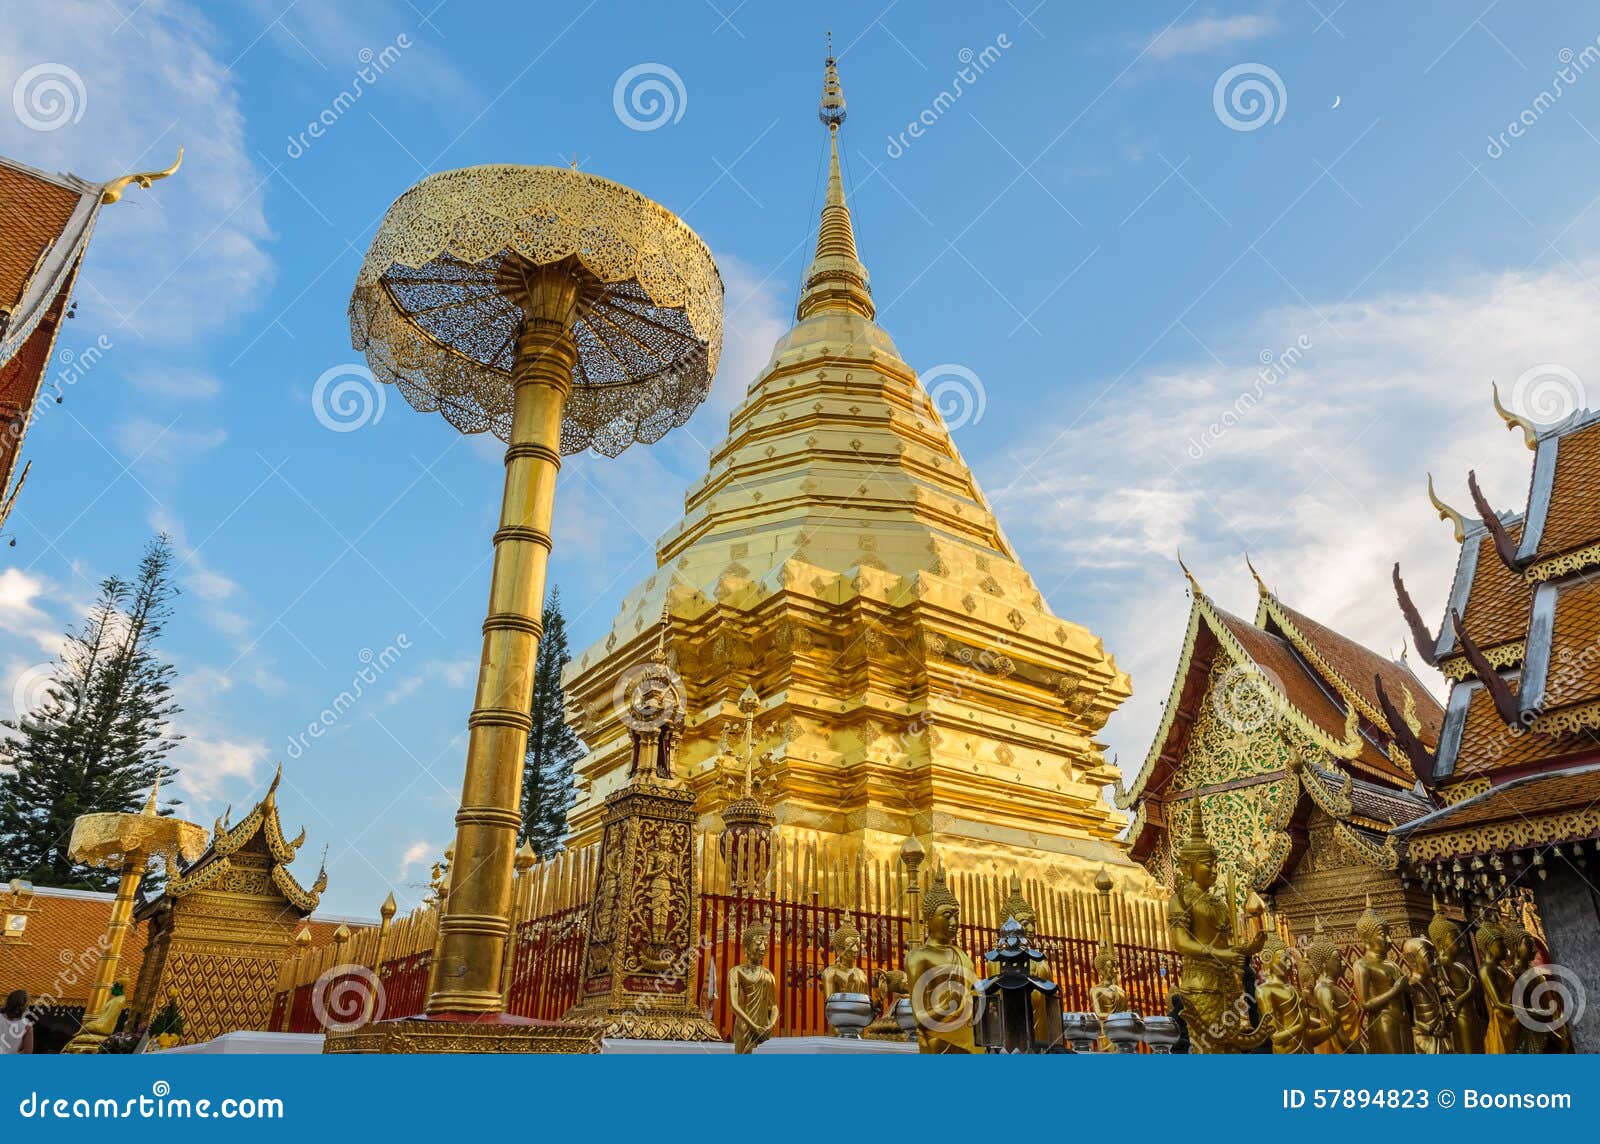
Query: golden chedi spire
(836,278)
(839,556)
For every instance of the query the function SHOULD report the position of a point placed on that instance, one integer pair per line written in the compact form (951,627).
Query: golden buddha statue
(1106,996)
(1457,975)
(1432,1015)
(1211,973)
(94,1030)
(1536,1026)
(844,975)
(1500,1035)
(1294,1027)
(941,977)
(1332,1003)
(753,991)
(1381,987)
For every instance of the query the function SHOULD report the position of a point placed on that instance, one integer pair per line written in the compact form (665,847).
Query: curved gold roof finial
(1261,585)
(112,191)
(1193,583)
(1530,431)
(1458,521)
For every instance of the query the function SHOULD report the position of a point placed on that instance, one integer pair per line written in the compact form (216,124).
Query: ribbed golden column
(477,917)
(105,974)
(561,312)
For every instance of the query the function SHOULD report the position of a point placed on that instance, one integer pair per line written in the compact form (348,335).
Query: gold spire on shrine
(836,279)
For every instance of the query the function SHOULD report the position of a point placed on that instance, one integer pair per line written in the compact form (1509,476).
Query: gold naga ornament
(1211,973)
(562,312)
(940,976)
(124,842)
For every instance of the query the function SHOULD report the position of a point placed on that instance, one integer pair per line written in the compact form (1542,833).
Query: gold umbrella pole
(477,916)
(117,929)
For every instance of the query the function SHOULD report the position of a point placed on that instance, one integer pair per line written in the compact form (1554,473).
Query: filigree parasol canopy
(115,839)
(430,312)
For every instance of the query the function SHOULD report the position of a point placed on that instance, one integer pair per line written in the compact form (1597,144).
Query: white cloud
(1208,34)
(1320,474)
(189,254)
(21,594)
(419,851)
(455,675)
(211,764)
(184,384)
(154,444)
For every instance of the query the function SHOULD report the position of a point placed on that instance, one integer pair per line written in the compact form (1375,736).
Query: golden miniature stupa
(839,559)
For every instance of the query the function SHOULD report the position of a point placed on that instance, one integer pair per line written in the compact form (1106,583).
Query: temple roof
(262,823)
(1533,812)
(45,224)
(1528,592)
(1323,677)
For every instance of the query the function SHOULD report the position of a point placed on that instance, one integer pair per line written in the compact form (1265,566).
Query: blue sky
(1082,230)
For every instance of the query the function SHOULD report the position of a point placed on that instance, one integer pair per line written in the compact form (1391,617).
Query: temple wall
(1570,911)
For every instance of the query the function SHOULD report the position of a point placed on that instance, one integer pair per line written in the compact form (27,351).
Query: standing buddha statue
(1211,973)
(1457,975)
(753,992)
(1431,1009)
(1294,1027)
(1381,987)
(1334,1006)
(844,975)
(1501,1034)
(1536,1026)
(940,976)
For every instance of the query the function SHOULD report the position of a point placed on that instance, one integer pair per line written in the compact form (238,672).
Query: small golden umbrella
(125,842)
(562,312)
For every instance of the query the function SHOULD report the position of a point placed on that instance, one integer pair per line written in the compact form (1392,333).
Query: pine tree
(547,786)
(100,738)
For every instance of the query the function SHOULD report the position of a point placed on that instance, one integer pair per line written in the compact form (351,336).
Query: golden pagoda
(839,559)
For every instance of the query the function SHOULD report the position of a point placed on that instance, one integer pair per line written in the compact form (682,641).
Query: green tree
(100,737)
(547,786)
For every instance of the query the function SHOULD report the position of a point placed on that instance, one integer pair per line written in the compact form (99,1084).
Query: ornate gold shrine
(839,558)
(221,928)
(1273,730)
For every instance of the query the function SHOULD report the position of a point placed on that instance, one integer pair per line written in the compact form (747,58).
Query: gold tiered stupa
(839,559)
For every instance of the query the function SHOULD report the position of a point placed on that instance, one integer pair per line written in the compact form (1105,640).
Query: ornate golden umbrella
(125,842)
(562,312)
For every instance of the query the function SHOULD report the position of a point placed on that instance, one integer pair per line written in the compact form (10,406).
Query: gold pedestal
(639,964)
(433,1035)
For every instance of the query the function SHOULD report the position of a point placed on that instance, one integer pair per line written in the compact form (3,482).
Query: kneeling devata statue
(1211,973)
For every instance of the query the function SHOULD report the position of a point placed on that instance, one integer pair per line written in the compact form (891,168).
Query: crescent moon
(1336,100)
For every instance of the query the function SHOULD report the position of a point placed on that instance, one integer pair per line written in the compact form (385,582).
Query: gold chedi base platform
(502,1033)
